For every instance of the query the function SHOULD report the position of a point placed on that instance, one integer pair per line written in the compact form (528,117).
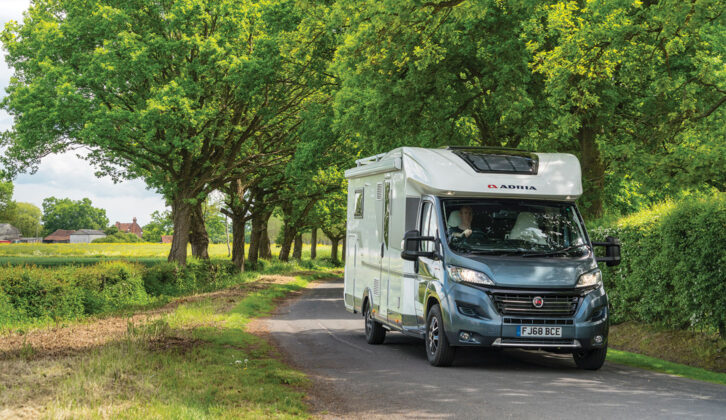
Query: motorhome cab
(475,247)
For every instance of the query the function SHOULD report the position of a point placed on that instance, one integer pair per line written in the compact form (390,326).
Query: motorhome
(465,246)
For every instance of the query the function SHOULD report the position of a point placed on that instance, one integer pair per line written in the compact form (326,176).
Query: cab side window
(424,222)
(429,226)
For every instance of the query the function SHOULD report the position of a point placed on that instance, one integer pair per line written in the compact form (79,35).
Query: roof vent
(498,161)
(379,191)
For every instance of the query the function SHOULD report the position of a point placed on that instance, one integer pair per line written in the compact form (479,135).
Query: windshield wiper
(556,251)
(493,251)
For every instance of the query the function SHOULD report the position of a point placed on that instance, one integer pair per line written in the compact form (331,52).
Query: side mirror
(612,251)
(412,246)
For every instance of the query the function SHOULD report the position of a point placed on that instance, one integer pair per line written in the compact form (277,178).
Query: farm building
(60,236)
(9,233)
(86,236)
(167,239)
(132,227)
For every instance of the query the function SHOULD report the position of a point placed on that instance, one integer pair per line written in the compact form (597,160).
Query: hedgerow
(38,294)
(672,271)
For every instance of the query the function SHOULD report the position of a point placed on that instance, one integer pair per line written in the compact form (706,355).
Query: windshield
(514,227)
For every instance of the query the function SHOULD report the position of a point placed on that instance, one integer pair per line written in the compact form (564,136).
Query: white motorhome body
(385,196)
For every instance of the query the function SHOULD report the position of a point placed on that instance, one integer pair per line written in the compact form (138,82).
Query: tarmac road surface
(393,380)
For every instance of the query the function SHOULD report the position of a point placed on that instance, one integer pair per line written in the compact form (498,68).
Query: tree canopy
(64,213)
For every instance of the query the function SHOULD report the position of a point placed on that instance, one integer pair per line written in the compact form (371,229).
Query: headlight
(590,279)
(464,275)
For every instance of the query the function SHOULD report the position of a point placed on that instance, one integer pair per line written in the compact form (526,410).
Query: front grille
(526,321)
(520,304)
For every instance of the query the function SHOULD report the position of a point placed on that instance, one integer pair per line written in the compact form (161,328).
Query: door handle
(382,246)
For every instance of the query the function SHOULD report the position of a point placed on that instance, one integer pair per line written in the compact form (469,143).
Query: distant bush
(118,238)
(673,269)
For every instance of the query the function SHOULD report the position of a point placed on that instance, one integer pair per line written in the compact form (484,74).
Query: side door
(385,233)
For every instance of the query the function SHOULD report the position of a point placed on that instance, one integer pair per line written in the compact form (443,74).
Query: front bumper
(473,312)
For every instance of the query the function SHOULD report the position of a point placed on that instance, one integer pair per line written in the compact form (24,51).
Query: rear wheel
(438,350)
(375,333)
(590,359)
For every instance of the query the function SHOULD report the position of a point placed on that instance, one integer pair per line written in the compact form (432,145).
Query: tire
(375,333)
(590,359)
(438,350)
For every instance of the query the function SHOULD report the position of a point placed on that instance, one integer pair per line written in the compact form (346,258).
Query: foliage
(7,206)
(27,218)
(64,213)
(118,237)
(673,259)
(187,94)
(161,224)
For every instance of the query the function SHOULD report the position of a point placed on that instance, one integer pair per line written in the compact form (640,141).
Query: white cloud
(65,175)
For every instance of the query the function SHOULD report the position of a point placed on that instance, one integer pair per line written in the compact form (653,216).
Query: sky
(65,175)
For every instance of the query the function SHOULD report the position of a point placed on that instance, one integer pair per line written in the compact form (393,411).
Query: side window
(358,200)
(433,230)
(424,226)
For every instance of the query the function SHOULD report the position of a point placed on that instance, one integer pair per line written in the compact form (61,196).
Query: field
(145,253)
(187,351)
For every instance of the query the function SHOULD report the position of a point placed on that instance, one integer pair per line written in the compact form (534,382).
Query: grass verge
(197,361)
(664,366)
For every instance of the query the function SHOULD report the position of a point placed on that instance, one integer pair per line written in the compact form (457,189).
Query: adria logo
(512,187)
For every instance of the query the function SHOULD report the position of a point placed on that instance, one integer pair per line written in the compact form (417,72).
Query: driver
(463,230)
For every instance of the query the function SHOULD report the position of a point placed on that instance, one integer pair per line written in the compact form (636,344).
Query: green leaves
(64,213)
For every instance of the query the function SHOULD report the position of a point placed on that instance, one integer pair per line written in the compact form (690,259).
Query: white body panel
(374,269)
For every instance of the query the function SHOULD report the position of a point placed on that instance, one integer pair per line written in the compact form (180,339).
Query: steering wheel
(476,236)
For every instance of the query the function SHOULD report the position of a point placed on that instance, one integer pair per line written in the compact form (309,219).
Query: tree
(64,213)
(160,224)
(27,218)
(331,212)
(7,205)
(640,86)
(189,95)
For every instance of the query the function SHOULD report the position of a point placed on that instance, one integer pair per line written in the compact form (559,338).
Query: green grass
(195,362)
(664,366)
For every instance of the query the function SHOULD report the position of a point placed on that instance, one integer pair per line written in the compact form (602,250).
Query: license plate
(526,331)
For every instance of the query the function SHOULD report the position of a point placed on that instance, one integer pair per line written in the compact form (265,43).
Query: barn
(60,236)
(9,233)
(86,236)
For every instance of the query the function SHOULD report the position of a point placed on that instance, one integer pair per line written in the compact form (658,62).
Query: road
(393,380)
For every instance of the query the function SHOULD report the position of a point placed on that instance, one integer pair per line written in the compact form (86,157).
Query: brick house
(132,227)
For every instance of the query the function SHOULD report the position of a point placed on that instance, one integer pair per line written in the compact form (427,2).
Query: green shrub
(111,285)
(118,238)
(672,270)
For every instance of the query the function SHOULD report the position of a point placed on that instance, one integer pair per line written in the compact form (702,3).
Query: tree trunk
(287,238)
(334,249)
(255,238)
(265,251)
(238,241)
(181,215)
(593,171)
(226,235)
(198,236)
(297,249)
(314,243)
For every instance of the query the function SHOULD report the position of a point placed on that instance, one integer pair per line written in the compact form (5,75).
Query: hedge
(673,264)
(38,294)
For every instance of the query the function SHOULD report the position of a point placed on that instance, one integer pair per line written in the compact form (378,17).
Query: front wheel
(590,359)
(438,350)
(375,333)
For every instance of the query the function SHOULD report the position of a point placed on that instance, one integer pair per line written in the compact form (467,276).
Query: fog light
(598,339)
(464,336)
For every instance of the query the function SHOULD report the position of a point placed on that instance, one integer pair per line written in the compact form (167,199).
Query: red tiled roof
(167,239)
(59,235)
